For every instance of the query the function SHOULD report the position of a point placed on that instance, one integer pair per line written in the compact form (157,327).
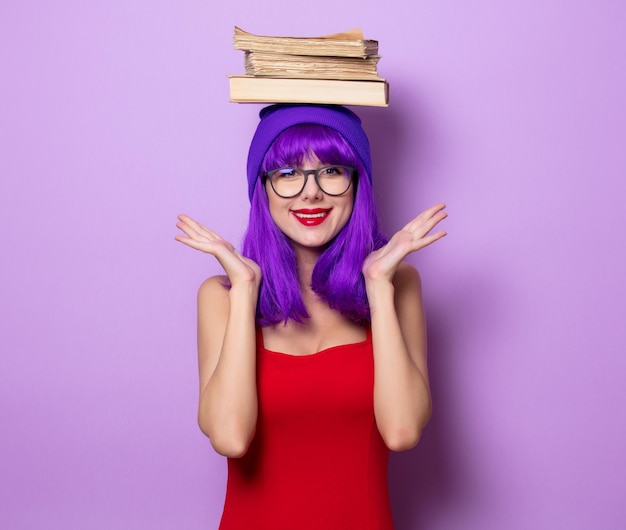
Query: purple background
(114,117)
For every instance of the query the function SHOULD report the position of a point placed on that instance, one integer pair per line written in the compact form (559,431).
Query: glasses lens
(287,182)
(334,180)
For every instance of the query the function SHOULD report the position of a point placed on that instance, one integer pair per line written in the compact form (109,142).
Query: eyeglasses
(288,182)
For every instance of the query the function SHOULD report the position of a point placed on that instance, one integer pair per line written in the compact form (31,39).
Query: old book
(347,44)
(321,67)
(254,89)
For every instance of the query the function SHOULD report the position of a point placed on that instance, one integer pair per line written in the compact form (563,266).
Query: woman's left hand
(383,263)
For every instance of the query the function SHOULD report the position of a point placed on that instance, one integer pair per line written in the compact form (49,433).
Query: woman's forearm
(402,403)
(227,411)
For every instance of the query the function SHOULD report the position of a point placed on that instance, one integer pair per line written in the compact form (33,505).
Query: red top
(317,461)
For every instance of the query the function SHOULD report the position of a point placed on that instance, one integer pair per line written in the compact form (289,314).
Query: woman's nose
(311,189)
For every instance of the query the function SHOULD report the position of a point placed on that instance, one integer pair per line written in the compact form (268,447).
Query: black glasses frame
(315,173)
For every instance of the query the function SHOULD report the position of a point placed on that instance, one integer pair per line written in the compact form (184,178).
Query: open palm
(383,263)
(237,267)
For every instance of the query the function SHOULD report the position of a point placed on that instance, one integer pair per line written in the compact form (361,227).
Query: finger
(430,239)
(429,224)
(424,216)
(191,231)
(421,226)
(436,208)
(185,219)
(198,227)
(193,243)
(219,250)
(430,212)
(197,231)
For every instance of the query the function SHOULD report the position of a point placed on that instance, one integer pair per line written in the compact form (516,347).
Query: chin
(312,244)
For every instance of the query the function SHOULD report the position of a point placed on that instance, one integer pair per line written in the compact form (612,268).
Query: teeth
(311,215)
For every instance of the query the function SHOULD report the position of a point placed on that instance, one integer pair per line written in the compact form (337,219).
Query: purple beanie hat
(276,118)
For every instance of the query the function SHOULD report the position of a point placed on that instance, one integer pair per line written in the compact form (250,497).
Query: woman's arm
(402,403)
(227,410)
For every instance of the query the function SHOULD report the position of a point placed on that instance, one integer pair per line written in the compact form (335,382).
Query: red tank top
(317,461)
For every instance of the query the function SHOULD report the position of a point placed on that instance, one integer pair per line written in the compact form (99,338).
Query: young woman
(312,347)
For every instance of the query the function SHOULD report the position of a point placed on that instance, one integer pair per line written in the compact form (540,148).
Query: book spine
(322,91)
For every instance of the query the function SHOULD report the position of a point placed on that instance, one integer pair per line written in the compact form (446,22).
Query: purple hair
(337,276)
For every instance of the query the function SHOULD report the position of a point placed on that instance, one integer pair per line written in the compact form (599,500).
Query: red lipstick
(311,216)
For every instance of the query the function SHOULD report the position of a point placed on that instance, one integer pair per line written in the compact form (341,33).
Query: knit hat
(276,118)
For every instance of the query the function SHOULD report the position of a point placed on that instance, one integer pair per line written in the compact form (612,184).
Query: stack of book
(334,69)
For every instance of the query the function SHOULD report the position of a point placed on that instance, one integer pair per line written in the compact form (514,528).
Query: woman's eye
(332,170)
(286,172)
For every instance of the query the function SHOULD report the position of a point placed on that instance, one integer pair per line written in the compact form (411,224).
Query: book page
(353,34)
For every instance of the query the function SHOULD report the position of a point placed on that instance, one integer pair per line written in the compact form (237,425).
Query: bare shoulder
(213,306)
(410,309)
(407,278)
(408,292)
(214,290)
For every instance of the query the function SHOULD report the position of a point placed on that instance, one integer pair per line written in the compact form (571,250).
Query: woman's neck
(306,258)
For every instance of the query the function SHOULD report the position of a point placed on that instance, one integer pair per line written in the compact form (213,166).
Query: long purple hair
(337,276)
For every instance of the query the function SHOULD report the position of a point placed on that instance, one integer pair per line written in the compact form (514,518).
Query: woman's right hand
(238,268)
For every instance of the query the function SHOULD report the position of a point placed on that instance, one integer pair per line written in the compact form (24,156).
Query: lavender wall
(114,118)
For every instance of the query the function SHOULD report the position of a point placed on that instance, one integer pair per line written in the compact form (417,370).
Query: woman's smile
(311,216)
